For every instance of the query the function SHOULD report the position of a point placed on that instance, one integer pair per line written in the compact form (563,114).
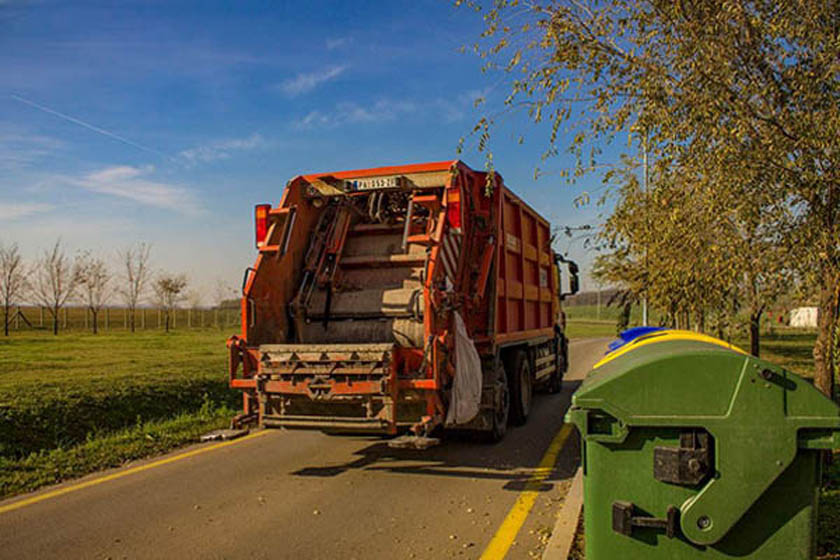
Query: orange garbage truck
(400,300)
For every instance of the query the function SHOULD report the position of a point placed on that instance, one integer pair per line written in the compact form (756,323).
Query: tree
(135,277)
(54,281)
(745,87)
(223,292)
(94,284)
(194,298)
(12,280)
(667,244)
(170,291)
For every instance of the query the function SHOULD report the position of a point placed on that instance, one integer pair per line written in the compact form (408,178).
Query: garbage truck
(400,300)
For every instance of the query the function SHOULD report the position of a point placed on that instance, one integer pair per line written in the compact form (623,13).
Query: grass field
(77,403)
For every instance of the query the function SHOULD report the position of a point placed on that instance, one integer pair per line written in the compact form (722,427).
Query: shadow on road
(461,454)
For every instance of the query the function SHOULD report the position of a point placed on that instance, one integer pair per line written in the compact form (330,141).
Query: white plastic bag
(466,389)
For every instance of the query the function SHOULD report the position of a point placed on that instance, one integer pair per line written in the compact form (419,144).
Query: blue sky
(166,122)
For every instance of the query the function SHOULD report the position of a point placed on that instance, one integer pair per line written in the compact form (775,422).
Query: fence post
(143,318)
(65,318)
(125,317)
(174,316)
(158,317)
(17,319)
(107,318)
(216,317)
(40,316)
(86,318)
(189,318)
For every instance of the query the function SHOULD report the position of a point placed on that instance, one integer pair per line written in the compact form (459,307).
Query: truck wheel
(521,389)
(555,382)
(502,408)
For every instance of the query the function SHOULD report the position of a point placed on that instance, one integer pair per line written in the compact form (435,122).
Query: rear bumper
(334,387)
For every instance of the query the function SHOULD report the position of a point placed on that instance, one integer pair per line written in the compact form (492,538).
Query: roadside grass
(73,404)
(104,451)
(586,328)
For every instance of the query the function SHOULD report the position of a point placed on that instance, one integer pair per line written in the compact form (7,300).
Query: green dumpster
(693,449)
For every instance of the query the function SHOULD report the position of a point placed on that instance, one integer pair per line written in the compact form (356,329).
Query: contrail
(89,126)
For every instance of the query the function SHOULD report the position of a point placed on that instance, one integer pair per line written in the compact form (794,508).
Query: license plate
(375,183)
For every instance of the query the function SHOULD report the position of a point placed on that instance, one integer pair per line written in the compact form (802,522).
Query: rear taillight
(261,222)
(453,211)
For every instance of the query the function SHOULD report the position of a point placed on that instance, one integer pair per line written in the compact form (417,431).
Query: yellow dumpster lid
(668,335)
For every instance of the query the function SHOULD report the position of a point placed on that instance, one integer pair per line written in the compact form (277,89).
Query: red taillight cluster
(261,222)
(453,213)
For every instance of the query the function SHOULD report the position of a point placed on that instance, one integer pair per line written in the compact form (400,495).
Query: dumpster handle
(623,519)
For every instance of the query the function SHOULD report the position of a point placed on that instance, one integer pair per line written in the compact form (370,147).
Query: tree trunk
(55,320)
(131,319)
(755,334)
(167,321)
(6,320)
(826,323)
(94,315)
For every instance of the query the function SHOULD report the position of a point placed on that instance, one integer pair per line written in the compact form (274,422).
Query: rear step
(326,423)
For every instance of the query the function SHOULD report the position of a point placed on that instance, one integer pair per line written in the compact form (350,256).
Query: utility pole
(644,190)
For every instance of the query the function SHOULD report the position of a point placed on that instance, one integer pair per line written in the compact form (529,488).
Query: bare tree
(94,284)
(223,292)
(135,263)
(169,290)
(54,281)
(12,280)
(195,298)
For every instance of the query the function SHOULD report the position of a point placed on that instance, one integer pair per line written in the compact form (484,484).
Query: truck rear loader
(399,298)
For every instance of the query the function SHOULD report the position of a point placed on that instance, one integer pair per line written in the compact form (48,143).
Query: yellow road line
(119,474)
(503,539)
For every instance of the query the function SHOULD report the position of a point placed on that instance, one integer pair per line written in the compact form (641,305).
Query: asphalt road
(306,495)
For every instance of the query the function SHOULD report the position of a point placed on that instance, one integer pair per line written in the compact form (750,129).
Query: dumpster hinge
(687,464)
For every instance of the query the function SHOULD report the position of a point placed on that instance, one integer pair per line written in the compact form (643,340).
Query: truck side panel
(525,286)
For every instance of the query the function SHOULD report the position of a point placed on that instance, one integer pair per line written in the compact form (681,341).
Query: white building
(804,317)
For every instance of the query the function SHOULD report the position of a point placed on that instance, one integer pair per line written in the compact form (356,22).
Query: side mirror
(574,279)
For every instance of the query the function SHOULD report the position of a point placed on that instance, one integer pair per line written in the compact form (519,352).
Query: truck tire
(501,412)
(561,359)
(521,384)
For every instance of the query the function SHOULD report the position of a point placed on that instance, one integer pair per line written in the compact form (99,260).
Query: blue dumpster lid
(630,335)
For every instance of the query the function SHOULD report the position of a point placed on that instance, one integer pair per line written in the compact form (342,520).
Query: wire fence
(25,318)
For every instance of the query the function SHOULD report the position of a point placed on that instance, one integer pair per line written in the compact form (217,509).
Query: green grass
(76,403)
(583,328)
(106,450)
(605,313)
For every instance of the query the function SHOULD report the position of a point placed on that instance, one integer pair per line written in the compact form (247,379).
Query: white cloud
(446,109)
(352,113)
(15,210)
(222,149)
(337,42)
(125,181)
(306,82)
(19,149)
